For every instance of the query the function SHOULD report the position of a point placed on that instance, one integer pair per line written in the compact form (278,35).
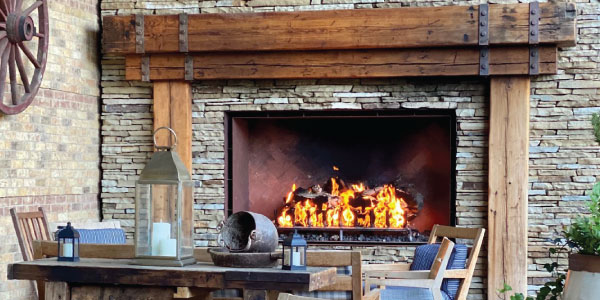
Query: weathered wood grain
(202,275)
(342,64)
(414,27)
(57,290)
(508,171)
(121,293)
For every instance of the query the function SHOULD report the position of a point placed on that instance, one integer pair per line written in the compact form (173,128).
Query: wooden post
(57,291)
(173,108)
(508,177)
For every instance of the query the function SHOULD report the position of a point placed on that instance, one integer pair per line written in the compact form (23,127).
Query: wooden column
(508,177)
(173,108)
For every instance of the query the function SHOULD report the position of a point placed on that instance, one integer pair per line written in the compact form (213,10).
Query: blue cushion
(102,236)
(408,293)
(425,255)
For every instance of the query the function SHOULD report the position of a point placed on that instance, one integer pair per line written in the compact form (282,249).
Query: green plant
(596,125)
(552,290)
(584,234)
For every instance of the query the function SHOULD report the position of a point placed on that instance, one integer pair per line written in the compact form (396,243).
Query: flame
(359,188)
(290,195)
(384,208)
(335,187)
(284,219)
(336,168)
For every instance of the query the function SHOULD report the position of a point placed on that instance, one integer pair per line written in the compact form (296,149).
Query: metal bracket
(534,38)
(484,61)
(145,68)
(534,23)
(189,68)
(139,33)
(183,33)
(484,38)
(534,60)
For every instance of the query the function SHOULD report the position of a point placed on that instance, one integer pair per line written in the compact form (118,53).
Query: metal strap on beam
(189,68)
(145,68)
(484,40)
(183,33)
(139,33)
(534,38)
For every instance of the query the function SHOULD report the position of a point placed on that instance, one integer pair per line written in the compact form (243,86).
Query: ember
(337,204)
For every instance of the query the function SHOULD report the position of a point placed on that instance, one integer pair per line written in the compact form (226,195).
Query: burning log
(339,204)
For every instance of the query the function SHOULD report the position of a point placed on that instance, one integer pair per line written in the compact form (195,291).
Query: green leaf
(505,289)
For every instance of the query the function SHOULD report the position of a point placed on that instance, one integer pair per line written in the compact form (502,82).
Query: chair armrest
(398,274)
(386,267)
(416,283)
(457,273)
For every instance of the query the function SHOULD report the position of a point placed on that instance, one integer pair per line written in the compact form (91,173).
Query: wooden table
(119,279)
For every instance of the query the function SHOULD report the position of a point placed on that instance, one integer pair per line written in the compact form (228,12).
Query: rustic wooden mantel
(509,43)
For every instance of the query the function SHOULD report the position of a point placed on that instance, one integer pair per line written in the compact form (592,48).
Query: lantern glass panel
(287,253)
(298,256)
(187,220)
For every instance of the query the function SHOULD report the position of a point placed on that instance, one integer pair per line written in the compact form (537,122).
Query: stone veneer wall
(564,160)
(50,153)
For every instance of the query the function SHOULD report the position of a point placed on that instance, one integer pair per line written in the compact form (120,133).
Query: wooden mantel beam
(340,64)
(415,27)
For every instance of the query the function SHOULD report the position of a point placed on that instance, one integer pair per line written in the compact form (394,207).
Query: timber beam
(337,64)
(415,27)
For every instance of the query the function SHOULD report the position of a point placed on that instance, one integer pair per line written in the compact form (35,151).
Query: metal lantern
(294,252)
(164,210)
(68,244)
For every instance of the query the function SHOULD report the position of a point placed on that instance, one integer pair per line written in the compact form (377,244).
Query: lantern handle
(164,147)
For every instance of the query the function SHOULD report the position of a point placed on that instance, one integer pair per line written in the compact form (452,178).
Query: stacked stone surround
(564,159)
(50,153)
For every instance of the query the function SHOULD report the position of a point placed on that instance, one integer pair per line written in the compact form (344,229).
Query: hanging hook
(164,147)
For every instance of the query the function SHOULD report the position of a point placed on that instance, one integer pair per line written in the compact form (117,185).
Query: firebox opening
(312,167)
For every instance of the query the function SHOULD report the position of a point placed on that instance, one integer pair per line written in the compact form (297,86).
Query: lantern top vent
(165,166)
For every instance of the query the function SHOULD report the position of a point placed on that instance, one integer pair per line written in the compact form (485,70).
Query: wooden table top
(201,275)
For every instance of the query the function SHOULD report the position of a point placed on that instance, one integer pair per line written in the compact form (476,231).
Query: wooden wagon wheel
(17,26)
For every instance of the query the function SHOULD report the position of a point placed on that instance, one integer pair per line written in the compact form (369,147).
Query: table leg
(57,291)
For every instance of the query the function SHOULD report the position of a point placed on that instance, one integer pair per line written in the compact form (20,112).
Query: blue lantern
(68,244)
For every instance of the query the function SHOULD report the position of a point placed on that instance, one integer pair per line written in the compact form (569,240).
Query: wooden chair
(415,281)
(465,275)
(30,226)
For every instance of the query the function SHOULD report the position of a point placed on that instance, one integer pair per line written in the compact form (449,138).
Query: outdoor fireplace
(344,176)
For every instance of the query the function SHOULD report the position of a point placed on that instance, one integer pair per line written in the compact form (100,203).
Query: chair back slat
(441,262)
(30,226)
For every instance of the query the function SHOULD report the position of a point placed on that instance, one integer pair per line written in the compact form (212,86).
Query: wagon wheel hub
(24,34)
(19,28)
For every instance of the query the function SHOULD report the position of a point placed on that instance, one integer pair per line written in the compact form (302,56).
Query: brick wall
(564,160)
(49,154)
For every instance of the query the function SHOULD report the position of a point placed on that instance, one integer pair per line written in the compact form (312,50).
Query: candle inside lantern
(167,247)
(67,250)
(160,231)
(296,258)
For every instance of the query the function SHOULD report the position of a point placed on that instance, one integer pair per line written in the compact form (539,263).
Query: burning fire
(355,205)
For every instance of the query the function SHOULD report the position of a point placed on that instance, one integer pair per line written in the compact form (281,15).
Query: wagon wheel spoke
(2,34)
(18,5)
(4,8)
(12,71)
(40,35)
(3,14)
(22,71)
(29,55)
(5,53)
(35,5)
